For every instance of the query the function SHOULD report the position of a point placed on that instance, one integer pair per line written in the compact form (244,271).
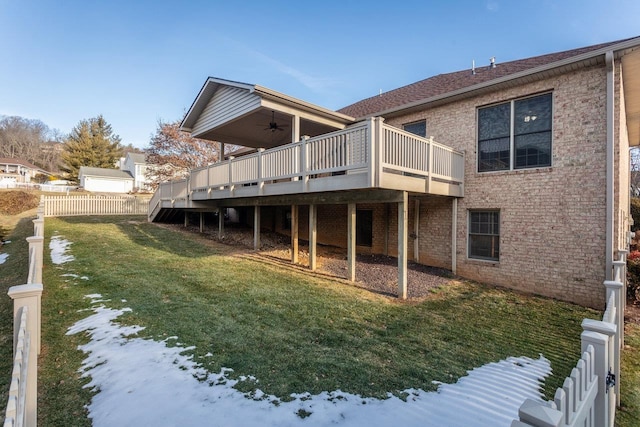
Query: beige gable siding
(227,103)
(552,237)
(622,166)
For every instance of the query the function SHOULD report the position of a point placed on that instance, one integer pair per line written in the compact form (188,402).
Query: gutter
(634,42)
(610,159)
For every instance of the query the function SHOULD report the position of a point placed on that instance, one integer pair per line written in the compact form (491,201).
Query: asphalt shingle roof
(445,83)
(104,172)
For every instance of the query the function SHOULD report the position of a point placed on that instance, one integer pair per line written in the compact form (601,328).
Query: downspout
(610,158)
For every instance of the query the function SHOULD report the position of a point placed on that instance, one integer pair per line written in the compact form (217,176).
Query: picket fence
(22,404)
(590,395)
(95,205)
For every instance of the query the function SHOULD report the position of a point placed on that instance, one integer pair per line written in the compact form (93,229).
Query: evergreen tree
(91,143)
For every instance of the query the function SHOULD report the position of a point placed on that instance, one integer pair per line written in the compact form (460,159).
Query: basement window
(484,235)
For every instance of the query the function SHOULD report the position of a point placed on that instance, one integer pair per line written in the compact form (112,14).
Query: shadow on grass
(161,237)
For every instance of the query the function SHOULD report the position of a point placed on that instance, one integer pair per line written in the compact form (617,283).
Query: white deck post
(454,233)
(38,226)
(313,231)
(402,245)
(29,295)
(256,228)
(597,334)
(416,231)
(260,172)
(36,247)
(351,242)
(616,287)
(294,234)
(220,223)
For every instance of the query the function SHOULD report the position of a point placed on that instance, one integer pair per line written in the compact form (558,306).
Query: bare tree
(174,152)
(22,138)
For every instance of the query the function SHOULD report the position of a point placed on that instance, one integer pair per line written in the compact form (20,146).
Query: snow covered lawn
(179,330)
(145,382)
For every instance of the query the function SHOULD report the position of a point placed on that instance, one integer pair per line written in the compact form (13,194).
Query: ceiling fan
(273,126)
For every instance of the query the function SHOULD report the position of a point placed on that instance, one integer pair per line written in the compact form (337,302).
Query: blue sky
(136,62)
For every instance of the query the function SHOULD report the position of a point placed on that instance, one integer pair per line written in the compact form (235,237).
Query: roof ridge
(448,82)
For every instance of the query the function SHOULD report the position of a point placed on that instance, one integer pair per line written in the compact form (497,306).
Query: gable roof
(461,83)
(12,161)
(137,157)
(104,173)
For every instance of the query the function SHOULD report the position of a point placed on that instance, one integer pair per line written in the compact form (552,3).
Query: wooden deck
(367,155)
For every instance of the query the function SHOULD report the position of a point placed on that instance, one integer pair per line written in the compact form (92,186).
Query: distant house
(102,180)
(130,177)
(18,171)
(136,165)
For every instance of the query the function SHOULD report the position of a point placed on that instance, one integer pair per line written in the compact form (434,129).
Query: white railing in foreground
(95,205)
(22,405)
(16,406)
(589,396)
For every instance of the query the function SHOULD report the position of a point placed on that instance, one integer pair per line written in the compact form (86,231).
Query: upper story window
(418,128)
(515,134)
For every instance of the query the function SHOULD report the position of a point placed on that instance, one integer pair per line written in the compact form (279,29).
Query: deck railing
(22,404)
(370,147)
(589,396)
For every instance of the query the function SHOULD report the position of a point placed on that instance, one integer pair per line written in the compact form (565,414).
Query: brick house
(527,186)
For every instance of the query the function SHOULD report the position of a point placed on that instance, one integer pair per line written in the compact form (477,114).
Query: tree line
(93,142)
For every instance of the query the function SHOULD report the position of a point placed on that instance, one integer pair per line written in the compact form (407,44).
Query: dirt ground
(378,273)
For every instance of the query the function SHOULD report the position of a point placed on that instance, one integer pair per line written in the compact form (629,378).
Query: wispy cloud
(315,84)
(492,6)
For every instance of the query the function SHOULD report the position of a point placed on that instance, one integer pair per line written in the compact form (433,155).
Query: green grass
(293,332)
(629,413)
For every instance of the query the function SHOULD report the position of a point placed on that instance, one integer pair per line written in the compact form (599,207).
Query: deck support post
(201,222)
(220,223)
(294,234)
(313,235)
(256,228)
(454,234)
(351,242)
(403,215)
(186,219)
(416,231)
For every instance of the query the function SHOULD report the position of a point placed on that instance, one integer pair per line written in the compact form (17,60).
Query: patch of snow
(3,258)
(58,247)
(84,278)
(75,276)
(6,242)
(144,382)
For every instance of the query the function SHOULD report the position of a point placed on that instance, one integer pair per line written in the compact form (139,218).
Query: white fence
(589,396)
(44,187)
(22,405)
(95,205)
